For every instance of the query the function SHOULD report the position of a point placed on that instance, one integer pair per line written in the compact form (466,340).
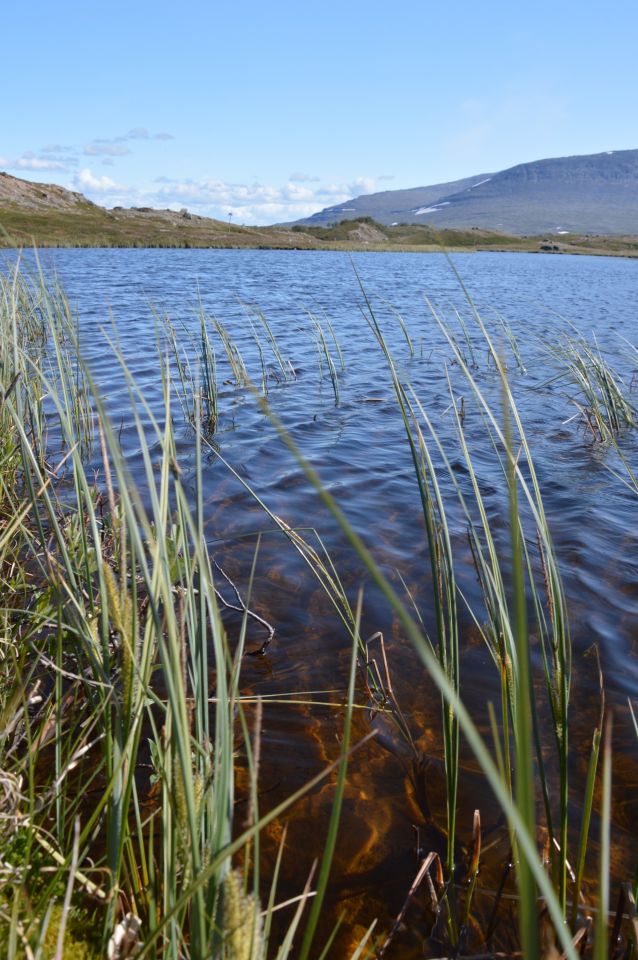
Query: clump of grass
(233,354)
(323,352)
(208,374)
(602,400)
(285,367)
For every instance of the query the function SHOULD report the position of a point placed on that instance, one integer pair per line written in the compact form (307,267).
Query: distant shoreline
(627,253)
(88,226)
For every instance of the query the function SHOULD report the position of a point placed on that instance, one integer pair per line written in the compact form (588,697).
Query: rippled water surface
(359,448)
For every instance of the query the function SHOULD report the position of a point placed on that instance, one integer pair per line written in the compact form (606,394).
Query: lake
(338,404)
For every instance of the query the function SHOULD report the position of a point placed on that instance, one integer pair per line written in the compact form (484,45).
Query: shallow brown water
(360,452)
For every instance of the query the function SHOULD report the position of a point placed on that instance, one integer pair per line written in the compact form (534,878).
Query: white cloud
(361,185)
(140,133)
(332,190)
(98,147)
(104,148)
(37,163)
(56,156)
(56,148)
(338,192)
(255,202)
(215,192)
(85,180)
(65,158)
(296,193)
(113,146)
(265,213)
(302,178)
(137,133)
(251,202)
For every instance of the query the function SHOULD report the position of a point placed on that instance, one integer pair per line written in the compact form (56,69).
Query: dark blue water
(357,443)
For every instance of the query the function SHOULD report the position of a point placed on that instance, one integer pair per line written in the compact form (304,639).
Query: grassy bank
(92,226)
(124,728)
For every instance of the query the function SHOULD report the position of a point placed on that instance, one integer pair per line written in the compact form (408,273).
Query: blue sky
(274,109)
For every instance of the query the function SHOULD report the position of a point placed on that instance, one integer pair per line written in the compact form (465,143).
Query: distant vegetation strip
(93,226)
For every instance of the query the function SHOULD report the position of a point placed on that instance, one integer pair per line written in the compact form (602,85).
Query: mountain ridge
(583,194)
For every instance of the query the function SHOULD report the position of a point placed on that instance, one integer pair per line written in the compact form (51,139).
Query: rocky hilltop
(592,194)
(24,195)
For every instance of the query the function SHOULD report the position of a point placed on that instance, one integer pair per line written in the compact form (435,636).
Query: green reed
(113,598)
(446,642)
(602,399)
(233,354)
(402,326)
(324,353)
(285,366)
(337,346)
(208,374)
